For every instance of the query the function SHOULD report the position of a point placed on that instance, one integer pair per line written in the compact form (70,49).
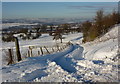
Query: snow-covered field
(90,62)
(7,25)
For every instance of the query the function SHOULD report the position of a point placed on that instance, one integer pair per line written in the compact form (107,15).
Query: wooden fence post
(10,57)
(31,55)
(58,48)
(38,52)
(41,50)
(61,48)
(47,50)
(28,53)
(17,49)
(52,49)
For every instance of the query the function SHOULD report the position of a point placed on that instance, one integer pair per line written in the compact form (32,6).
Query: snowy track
(65,62)
(90,62)
(36,67)
(66,66)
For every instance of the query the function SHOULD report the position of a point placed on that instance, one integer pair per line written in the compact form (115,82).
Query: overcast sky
(60,0)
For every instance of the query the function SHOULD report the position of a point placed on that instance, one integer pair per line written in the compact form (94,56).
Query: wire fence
(9,55)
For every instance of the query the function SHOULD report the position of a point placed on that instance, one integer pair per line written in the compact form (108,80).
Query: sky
(14,10)
(60,0)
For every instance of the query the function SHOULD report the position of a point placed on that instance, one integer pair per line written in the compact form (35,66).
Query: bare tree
(57,37)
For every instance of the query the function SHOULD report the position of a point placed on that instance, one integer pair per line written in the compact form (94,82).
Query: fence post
(10,57)
(41,50)
(17,49)
(52,49)
(46,49)
(28,53)
(58,48)
(31,53)
(61,48)
(38,52)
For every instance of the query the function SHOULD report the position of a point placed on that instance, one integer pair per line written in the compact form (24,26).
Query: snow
(102,49)
(44,40)
(90,62)
(7,25)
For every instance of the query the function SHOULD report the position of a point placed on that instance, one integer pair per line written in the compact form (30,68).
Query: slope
(90,62)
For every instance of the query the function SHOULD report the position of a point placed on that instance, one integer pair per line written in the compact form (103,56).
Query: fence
(10,57)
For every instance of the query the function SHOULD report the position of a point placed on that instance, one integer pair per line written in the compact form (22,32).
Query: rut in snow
(66,63)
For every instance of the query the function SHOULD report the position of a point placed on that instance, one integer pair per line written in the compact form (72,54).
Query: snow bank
(98,64)
(104,47)
(57,74)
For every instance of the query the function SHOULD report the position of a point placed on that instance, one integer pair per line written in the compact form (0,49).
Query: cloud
(100,6)
(81,7)
(93,7)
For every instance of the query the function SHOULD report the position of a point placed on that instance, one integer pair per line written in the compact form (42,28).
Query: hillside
(90,62)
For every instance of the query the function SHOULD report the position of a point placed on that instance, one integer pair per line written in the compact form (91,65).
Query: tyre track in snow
(65,62)
(62,59)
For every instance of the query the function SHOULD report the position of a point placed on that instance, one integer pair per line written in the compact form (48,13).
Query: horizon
(30,10)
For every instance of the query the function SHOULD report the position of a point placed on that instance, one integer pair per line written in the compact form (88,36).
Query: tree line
(34,33)
(100,25)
